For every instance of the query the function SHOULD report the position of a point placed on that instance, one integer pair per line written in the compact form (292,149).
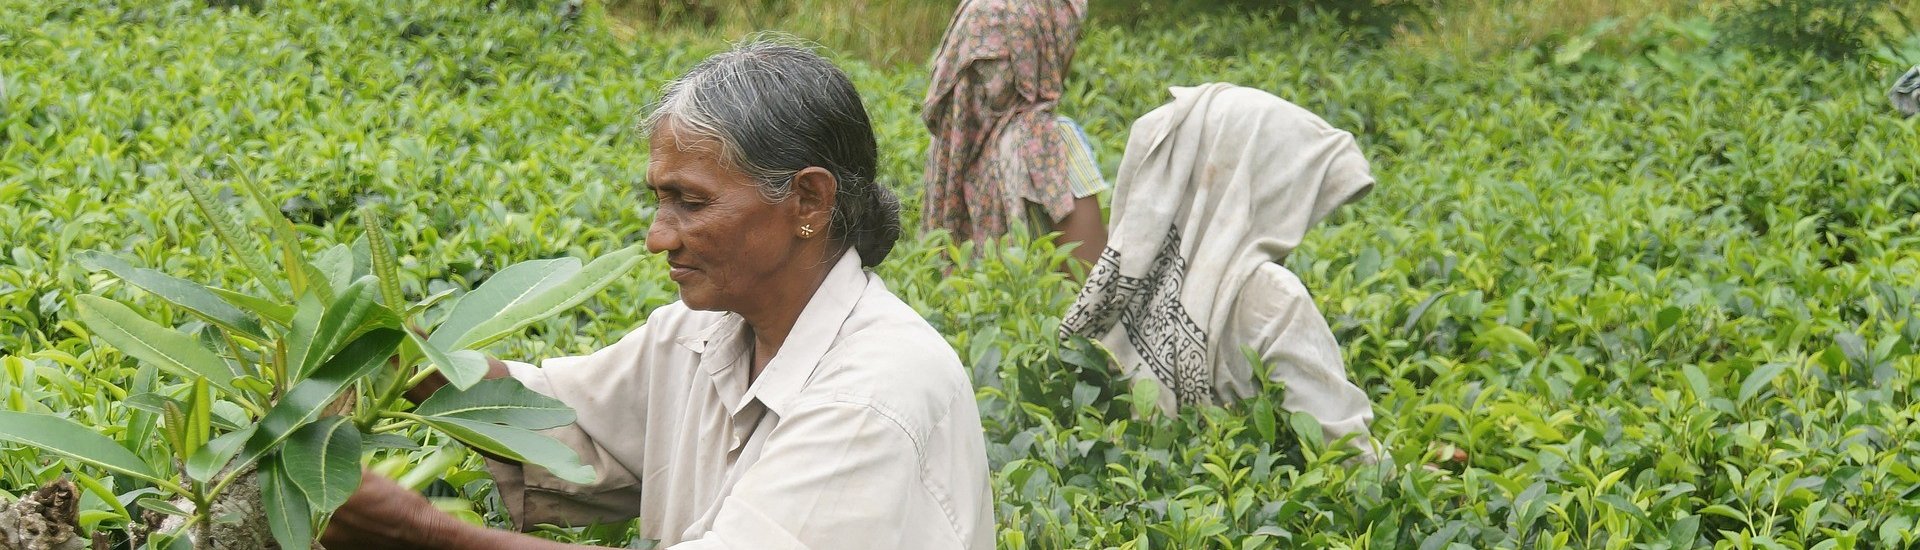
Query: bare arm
(382,514)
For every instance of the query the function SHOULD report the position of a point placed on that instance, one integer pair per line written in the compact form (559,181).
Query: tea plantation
(1662,297)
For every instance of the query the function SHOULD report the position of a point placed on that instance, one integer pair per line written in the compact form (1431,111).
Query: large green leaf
(517,444)
(462,368)
(72,440)
(306,400)
(380,250)
(517,283)
(165,348)
(270,310)
(231,232)
(1760,378)
(189,295)
(499,401)
(554,299)
(302,276)
(214,456)
(345,316)
(288,516)
(323,460)
(336,264)
(308,310)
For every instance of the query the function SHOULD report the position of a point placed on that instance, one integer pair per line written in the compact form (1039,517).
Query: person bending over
(1216,188)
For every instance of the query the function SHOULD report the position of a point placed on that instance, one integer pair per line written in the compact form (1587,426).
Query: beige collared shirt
(862,432)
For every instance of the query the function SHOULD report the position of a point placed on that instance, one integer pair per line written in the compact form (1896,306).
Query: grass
(883,32)
(1476,28)
(894,33)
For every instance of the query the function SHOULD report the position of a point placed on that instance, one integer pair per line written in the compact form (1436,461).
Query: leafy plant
(1828,28)
(309,373)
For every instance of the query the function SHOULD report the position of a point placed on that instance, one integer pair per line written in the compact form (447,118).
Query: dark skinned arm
(383,515)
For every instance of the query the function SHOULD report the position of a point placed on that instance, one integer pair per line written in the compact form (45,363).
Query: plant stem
(246,401)
(193,521)
(224,482)
(397,415)
(420,377)
(205,527)
(389,395)
(172,487)
(394,427)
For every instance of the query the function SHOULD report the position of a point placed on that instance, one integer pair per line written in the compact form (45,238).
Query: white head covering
(1215,183)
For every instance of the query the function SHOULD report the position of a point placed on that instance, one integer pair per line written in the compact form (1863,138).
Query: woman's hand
(382,514)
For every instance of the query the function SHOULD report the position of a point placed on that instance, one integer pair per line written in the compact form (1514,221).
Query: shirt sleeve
(831,476)
(533,495)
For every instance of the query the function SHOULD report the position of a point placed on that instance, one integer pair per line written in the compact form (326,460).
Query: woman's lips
(678,272)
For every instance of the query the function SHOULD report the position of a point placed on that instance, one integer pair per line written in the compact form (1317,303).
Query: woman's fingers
(380,514)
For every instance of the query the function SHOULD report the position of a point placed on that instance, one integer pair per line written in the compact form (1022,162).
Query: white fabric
(1217,186)
(862,432)
(1905,94)
(1276,319)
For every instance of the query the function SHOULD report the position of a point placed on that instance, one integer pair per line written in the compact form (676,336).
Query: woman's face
(728,246)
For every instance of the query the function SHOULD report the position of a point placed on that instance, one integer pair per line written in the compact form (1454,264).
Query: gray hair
(772,109)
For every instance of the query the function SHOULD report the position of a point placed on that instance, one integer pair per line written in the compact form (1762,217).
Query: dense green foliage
(1663,299)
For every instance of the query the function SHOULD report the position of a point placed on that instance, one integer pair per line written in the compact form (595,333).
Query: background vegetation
(1633,277)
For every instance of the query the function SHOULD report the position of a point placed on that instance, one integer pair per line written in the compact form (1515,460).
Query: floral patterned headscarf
(1000,71)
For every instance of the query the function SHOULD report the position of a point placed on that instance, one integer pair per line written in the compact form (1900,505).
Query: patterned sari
(1001,69)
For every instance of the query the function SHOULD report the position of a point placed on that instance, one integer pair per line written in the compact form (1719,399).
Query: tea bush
(1830,28)
(1661,299)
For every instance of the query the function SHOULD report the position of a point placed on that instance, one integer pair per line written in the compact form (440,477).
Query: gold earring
(806,231)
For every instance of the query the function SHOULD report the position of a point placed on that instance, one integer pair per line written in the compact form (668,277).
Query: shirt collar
(813,332)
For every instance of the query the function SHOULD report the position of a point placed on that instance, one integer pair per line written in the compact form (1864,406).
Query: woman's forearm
(452,534)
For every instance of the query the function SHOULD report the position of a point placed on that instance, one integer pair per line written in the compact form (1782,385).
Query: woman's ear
(814,192)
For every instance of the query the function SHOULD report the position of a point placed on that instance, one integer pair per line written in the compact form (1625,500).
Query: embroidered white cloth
(1216,188)
(862,432)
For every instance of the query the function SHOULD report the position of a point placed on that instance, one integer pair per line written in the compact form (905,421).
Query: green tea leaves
(1760,378)
(516,284)
(500,401)
(516,444)
(341,319)
(462,368)
(180,292)
(380,250)
(541,299)
(162,347)
(306,400)
(323,460)
(289,516)
(214,456)
(72,440)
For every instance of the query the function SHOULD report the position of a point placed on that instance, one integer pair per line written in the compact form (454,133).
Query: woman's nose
(662,236)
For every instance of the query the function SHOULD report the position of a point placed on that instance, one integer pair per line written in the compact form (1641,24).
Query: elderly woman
(788,400)
(1000,156)
(1216,188)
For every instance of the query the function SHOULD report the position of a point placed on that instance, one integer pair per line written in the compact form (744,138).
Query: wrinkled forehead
(682,136)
